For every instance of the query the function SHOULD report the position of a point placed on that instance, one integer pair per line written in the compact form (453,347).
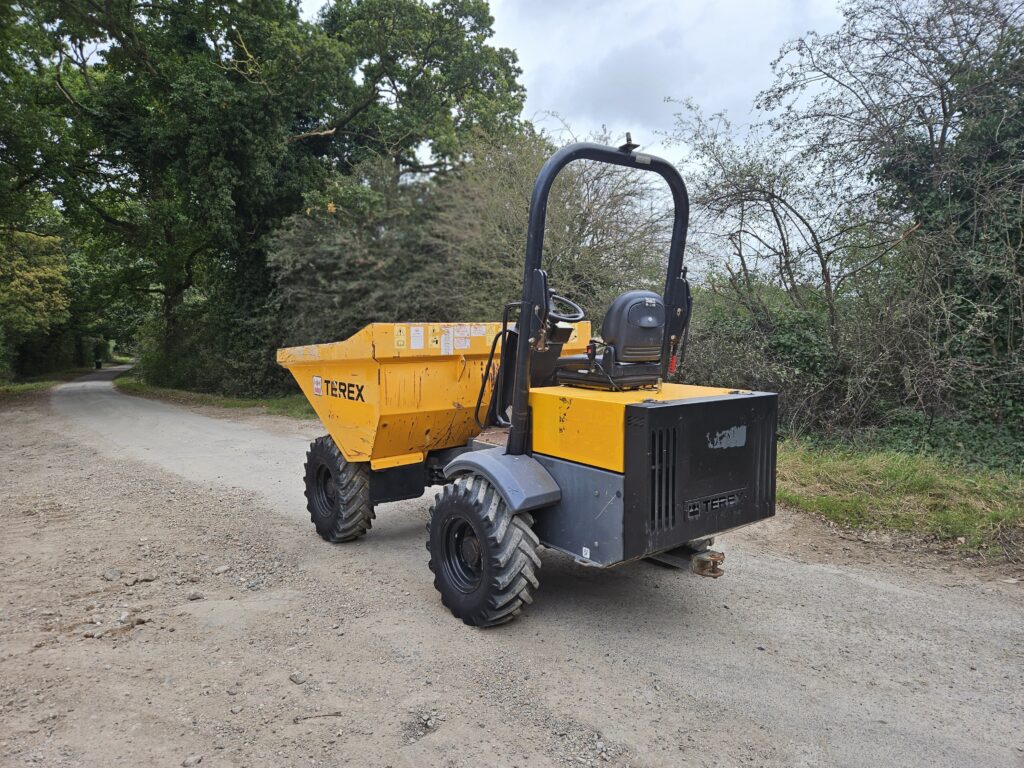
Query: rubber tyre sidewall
(502,590)
(460,603)
(345,519)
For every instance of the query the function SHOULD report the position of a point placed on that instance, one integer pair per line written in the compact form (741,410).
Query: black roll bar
(534,305)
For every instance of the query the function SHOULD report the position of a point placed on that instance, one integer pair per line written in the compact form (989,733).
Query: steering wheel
(574,315)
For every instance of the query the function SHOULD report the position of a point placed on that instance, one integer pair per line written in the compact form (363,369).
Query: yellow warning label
(435,337)
(399,337)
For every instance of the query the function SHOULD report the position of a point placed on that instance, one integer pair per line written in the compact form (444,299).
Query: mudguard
(521,480)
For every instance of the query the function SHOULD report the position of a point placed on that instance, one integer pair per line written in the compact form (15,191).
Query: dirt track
(811,651)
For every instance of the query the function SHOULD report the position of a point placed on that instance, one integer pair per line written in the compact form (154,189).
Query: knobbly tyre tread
(511,559)
(353,513)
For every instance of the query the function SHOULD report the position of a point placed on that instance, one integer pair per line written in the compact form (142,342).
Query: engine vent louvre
(635,420)
(663,479)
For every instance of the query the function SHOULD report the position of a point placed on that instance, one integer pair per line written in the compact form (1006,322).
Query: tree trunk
(171,371)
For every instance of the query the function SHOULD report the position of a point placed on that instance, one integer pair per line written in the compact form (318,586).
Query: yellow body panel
(588,426)
(394,391)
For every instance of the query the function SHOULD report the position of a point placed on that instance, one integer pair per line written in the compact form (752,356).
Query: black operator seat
(628,355)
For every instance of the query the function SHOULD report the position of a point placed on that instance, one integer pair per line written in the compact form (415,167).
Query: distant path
(184,442)
(779,663)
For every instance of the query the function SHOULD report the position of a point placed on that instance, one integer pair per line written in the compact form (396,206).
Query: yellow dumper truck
(539,433)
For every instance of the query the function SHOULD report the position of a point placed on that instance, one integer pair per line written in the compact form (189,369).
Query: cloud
(606,62)
(621,84)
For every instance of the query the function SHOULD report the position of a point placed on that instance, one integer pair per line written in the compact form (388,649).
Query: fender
(522,481)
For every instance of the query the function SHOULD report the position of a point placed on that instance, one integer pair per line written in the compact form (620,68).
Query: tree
(33,290)
(380,247)
(427,80)
(921,103)
(970,208)
(190,130)
(354,255)
(176,146)
(791,252)
(893,69)
(26,125)
(607,228)
(869,228)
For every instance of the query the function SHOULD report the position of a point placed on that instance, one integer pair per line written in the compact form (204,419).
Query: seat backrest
(635,325)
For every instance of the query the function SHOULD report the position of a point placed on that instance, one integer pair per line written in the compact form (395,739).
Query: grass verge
(981,509)
(11,389)
(296,406)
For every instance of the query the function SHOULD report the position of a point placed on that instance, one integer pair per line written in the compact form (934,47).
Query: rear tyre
(484,558)
(337,492)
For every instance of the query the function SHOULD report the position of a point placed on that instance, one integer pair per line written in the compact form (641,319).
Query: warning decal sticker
(446,342)
(399,337)
(416,337)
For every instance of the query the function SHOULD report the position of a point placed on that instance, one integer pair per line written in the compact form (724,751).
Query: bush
(775,348)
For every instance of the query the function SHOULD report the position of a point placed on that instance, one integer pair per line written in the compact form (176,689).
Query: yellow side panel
(588,426)
(346,398)
(393,391)
(358,346)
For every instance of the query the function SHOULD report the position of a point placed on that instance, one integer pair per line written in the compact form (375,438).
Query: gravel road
(166,602)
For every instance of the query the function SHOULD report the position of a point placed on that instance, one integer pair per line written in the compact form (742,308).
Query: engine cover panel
(696,468)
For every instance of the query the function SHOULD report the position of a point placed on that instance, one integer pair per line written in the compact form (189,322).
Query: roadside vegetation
(30,384)
(295,406)
(980,509)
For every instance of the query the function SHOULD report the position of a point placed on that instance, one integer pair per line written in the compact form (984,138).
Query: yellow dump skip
(394,391)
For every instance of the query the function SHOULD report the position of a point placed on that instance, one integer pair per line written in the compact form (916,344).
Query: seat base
(612,378)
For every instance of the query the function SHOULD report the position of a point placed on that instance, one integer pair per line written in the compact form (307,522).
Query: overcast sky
(613,62)
(609,62)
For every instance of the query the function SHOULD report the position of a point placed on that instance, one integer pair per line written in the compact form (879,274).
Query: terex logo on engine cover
(343,389)
(719,503)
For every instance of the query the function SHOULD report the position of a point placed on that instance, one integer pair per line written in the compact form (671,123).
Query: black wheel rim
(463,560)
(326,491)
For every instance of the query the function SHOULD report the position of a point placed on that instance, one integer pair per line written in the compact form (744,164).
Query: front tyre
(337,492)
(484,558)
